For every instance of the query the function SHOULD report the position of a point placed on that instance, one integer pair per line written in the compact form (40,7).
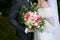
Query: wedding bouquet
(32,19)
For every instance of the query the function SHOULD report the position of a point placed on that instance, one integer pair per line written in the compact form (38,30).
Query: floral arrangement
(32,19)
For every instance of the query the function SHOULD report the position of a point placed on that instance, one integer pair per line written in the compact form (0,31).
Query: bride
(45,11)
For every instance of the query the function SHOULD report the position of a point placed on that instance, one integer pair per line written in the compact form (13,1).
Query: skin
(42,4)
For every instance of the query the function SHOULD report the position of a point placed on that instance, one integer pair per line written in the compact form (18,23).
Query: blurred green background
(7,31)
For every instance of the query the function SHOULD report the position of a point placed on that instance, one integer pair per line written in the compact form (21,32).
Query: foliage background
(7,31)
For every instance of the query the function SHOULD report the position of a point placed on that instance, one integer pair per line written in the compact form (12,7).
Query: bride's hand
(29,30)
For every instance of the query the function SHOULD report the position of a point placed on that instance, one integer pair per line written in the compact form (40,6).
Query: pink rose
(35,24)
(38,19)
(26,16)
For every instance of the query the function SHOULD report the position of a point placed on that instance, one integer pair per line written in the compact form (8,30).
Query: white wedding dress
(53,34)
(48,33)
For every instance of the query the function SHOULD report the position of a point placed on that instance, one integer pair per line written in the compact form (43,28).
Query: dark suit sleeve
(13,14)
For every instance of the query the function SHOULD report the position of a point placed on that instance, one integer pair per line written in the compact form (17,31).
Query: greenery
(7,32)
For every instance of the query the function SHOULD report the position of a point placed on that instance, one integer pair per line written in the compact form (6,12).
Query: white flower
(29,19)
(35,24)
(30,27)
(27,23)
(29,12)
(38,26)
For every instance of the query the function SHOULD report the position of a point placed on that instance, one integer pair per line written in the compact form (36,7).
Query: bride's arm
(43,4)
(50,20)
(49,24)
